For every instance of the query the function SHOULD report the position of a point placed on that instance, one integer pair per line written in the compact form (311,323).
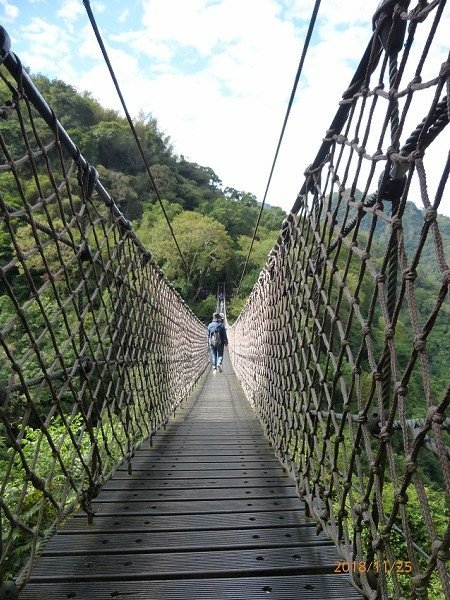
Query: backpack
(214,339)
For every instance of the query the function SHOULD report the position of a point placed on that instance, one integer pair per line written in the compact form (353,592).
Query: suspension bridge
(303,470)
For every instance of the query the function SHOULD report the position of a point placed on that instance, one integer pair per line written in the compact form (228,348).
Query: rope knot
(391,149)
(389,333)
(400,389)
(342,513)
(377,375)
(434,415)
(87,366)
(444,73)
(409,274)
(402,497)
(362,418)
(347,486)
(87,178)
(384,434)
(439,550)
(420,585)
(378,544)
(396,223)
(37,482)
(392,95)
(446,277)
(410,465)
(324,514)
(358,509)
(308,171)
(430,214)
(84,252)
(419,344)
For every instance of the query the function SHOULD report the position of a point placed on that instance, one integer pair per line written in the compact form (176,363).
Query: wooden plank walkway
(207,513)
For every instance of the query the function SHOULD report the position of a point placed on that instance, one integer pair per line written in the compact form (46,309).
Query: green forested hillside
(213,223)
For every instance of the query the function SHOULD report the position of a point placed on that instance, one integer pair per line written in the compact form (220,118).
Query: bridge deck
(207,513)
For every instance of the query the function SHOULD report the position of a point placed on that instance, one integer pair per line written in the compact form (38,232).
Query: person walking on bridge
(217,339)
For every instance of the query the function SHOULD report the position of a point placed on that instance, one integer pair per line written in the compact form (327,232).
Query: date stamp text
(377,566)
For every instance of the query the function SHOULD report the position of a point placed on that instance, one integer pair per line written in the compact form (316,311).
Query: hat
(217,317)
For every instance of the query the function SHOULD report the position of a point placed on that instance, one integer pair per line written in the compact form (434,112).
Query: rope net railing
(97,349)
(339,345)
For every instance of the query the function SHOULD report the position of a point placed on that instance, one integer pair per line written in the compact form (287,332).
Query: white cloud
(229,114)
(11,11)
(139,42)
(88,45)
(98,7)
(123,15)
(98,80)
(195,24)
(45,39)
(218,75)
(70,10)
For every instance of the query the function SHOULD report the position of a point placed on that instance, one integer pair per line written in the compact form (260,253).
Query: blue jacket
(222,331)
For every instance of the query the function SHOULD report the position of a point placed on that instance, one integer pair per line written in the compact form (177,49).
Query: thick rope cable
(288,111)
(98,36)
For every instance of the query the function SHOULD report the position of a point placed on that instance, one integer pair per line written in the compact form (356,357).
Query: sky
(217,74)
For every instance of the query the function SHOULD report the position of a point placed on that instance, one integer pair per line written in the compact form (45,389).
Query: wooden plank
(185,458)
(295,587)
(190,507)
(104,542)
(189,493)
(127,482)
(179,463)
(206,513)
(294,560)
(191,522)
(179,473)
(206,451)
